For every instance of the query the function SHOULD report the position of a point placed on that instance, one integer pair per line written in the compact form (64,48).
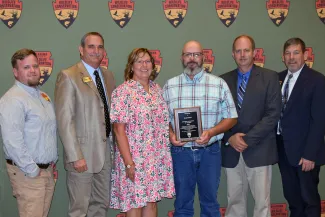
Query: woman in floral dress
(143,171)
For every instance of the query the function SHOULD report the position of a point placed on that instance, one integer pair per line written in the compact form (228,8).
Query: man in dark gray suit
(249,148)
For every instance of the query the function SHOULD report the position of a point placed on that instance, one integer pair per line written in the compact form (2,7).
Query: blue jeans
(201,167)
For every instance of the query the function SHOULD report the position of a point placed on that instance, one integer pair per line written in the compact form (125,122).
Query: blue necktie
(241,91)
(284,99)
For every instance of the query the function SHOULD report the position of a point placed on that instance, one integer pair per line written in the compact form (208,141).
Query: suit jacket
(80,115)
(257,118)
(303,121)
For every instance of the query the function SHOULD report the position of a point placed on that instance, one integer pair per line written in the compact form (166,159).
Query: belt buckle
(193,149)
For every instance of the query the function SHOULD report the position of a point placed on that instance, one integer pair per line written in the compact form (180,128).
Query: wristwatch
(129,165)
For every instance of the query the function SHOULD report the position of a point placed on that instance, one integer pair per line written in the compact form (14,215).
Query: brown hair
(244,36)
(133,56)
(83,39)
(294,41)
(20,55)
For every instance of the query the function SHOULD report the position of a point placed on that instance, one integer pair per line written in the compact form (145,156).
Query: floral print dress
(147,129)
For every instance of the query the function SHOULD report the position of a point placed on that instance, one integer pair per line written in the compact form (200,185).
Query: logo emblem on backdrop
(66,11)
(10,12)
(310,57)
(158,60)
(208,60)
(175,11)
(227,11)
(323,208)
(121,11)
(104,62)
(223,211)
(259,58)
(121,215)
(279,210)
(277,10)
(320,8)
(46,65)
(170,213)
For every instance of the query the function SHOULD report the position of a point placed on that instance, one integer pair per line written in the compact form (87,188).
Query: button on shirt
(28,128)
(209,92)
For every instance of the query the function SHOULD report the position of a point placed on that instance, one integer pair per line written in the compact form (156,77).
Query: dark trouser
(191,167)
(300,188)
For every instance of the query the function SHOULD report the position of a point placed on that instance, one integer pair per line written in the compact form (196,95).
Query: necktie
(102,95)
(241,91)
(284,99)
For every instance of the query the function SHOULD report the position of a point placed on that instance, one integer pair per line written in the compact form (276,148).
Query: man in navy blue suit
(300,132)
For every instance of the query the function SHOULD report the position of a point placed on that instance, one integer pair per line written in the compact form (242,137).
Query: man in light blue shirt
(28,128)
(198,162)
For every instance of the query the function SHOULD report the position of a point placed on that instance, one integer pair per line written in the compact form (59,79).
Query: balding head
(192,46)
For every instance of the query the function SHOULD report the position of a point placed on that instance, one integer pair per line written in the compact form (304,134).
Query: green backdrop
(39,29)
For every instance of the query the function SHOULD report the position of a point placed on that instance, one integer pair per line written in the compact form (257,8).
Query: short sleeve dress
(147,129)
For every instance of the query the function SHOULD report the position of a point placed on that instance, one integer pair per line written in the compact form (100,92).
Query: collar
(89,68)
(296,74)
(244,75)
(34,91)
(196,78)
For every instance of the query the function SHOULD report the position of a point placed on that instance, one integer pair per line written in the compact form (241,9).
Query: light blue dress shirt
(28,128)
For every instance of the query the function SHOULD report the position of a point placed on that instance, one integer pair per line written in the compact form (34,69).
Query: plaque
(188,124)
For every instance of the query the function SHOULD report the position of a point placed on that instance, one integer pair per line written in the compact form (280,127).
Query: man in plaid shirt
(199,161)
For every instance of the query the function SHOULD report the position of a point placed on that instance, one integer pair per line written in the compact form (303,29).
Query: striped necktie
(285,96)
(101,91)
(241,91)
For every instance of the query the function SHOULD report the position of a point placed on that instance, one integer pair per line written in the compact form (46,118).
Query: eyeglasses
(195,55)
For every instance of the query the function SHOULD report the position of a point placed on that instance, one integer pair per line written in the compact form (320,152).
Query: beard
(33,82)
(192,68)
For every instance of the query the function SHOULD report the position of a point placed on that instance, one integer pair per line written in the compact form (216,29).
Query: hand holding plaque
(188,124)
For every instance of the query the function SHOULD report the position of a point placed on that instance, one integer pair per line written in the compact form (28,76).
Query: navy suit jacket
(303,121)
(257,118)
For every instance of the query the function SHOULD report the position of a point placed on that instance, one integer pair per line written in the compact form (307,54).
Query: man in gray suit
(249,148)
(82,97)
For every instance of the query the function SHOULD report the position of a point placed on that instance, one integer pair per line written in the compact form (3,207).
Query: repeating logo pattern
(66,11)
(158,60)
(259,58)
(322,208)
(175,11)
(121,11)
(227,11)
(310,57)
(10,12)
(208,60)
(104,62)
(277,10)
(279,210)
(223,211)
(55,173)
(320,8)
(46,65)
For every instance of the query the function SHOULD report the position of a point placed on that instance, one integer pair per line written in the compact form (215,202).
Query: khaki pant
(241,177)
(34,195)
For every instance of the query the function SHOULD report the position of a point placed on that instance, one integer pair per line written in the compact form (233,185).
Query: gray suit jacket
(257,118)
(80,116)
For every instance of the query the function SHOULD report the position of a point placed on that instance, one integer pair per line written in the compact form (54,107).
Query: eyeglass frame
(195,55)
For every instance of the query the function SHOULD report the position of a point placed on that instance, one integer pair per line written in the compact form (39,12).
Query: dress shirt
(207,91)
(28,128)
(91,71)
(292,81)
(241,76)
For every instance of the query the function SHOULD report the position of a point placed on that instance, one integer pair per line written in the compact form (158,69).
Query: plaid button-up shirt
(207,91)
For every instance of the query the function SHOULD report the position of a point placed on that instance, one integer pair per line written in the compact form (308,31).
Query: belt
(194,148)
(41,166)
